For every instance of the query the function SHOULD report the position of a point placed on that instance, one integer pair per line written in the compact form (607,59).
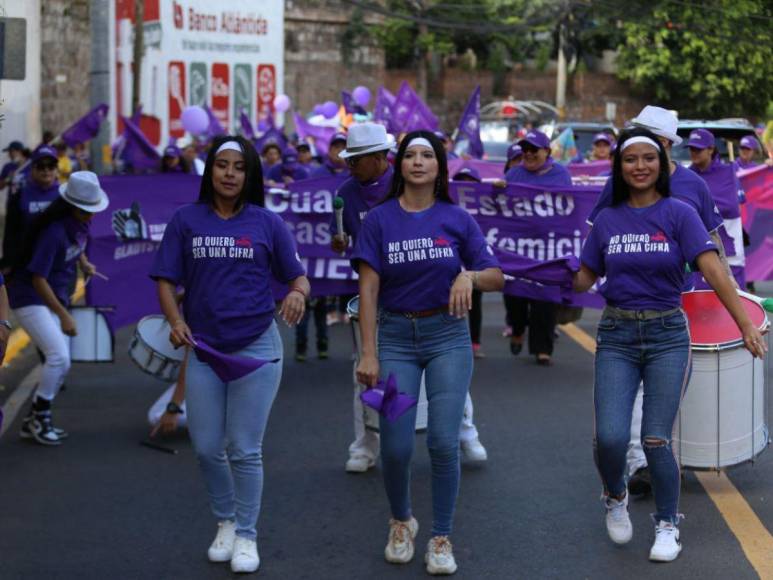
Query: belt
(612,312)
(422,313)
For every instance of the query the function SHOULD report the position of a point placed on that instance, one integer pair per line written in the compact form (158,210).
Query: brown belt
(423,313)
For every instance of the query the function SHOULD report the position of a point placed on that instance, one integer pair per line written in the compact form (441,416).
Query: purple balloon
(329,109)
(317,110)
(195,120)
(281,103)
(361,96)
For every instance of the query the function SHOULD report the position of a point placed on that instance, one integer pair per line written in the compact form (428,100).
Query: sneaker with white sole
(619,525)
(222,546)
(42,430)
(245,558)
(474,450)
(399,548)
(359,463)
(26,429)
(440,556)
(667,545)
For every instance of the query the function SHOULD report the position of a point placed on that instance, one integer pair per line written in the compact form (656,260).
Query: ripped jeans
(657,352)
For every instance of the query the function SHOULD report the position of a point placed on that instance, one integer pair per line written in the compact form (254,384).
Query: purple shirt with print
(724,187)
(417,255)
(642,252)
(226,267)
(35,199)
(551,173)
(359,199)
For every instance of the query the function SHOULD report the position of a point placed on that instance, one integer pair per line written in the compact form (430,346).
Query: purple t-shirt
(417,255)
(685,186)
(226,267)
(642,252)
(724,187)
(551,173)
(328,169)
(298,172)
(55,258)
(8,168)
(34,200)
(738,165)
(359,199)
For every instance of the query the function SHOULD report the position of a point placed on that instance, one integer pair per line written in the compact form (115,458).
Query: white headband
(230,146)
(419,141)
(639,139)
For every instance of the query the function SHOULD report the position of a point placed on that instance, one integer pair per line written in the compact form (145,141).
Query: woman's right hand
(68,324)
(754,341)
(367,371)
(181,334)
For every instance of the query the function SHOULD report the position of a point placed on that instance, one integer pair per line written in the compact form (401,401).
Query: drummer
(422,301)
(39,291)
(641,243)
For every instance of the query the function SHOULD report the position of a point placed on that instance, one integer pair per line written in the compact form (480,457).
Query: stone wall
(65,63)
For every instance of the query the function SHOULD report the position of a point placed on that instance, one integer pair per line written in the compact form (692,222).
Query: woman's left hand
(754,342)
(293,307)
(460,300)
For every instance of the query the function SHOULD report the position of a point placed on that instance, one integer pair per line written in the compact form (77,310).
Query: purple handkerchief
(386,399)
(228,367)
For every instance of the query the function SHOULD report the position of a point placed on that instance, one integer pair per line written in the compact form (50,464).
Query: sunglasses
(353,161)
(45,166)
(529,148)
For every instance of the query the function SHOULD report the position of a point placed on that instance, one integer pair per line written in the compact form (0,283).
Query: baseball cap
(515,150)
(700,139)
(15,146)
(470,172)
(603,137)
(42,152)
(537,139)
(750,143)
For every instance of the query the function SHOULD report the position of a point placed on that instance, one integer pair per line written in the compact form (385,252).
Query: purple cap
(514,151)
(537,139)
(338,137)
(290,156)
(603,137)
(172,151)
(700,139)
(42,152)
(442,135)
(750,143)
(470,172)
(303,144)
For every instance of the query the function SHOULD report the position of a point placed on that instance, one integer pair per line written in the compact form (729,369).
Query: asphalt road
(103,507)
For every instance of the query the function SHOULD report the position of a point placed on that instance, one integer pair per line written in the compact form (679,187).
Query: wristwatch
(173,408)
(7,324)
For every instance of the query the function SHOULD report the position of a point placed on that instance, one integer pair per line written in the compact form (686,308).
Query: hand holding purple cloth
(228,367)
(558,272)
(387,400)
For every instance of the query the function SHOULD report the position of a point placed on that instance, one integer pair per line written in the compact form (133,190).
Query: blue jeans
(440,346)
(656,352)
(226,422)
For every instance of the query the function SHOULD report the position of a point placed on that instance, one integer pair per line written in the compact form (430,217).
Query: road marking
(754,538)
(19,397)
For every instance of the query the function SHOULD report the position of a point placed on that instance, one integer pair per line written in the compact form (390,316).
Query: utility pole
(561,72)
(100,79)
(139,49)
(423,57)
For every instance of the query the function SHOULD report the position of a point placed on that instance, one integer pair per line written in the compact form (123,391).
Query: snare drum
(94,341)
(723,417)
(371,415)
(151,350)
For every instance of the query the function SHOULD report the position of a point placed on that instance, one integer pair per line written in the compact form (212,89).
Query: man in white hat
(367,146)
(688,187)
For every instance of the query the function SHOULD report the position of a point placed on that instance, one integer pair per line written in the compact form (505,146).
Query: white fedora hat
(83,191)
(364,138)
(660,121)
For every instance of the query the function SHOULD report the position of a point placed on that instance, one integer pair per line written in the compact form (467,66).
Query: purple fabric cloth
(228,367)
(469,125)
(383,111)
(557,272)
(411,113)
(136,151)
(724,187)
(294,170)
(247,131)
(87,127)
(215,128)
(271,135)
(320,135)
(226,267)
(643,251)
(359,199)
(550,173)
(417,255)
(350,106)
(387,400)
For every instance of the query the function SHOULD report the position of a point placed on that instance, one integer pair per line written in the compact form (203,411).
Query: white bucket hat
(83,191)
(660,121)
(364,138)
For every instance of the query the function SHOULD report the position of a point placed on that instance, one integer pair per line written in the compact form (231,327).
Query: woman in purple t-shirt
(409,254)
(641,244)
(224,251)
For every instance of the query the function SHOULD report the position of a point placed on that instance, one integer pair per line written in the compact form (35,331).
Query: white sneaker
(619,525)
(440,556)
(222,546)
(474,450)
(245,558)
(667,545)
(359,463)
(399,548)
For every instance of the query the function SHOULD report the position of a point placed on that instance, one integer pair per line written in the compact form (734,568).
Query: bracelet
(178,321)
(301,292)
(473,277)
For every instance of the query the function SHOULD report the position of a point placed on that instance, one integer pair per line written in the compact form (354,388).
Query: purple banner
(757,216)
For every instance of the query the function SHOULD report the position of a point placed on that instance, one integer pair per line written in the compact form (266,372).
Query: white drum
(94,341)
(723,417)
(371,415)
(151,350)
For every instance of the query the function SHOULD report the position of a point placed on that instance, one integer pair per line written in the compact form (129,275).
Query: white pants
(635,456)
(159,408)
(45,330)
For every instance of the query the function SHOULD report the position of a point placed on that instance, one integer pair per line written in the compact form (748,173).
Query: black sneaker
(322,349)
(300,352)
(26,429)
(640,482)
(42,430)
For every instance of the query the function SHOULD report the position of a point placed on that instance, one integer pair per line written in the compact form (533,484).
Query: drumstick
(100,275)
(158,447)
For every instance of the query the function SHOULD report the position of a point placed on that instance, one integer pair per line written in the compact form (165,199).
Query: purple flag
(557,272)
(321,135)
(247,130)
(410,113)
(350,106)
(215,128)
(469,125)
(271,135)
(383,111)
(137,152)
(87,127)
(228,367)
(387,400)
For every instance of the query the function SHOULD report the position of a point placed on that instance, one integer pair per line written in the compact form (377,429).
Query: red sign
(220,92)
(176,94)
(266,90)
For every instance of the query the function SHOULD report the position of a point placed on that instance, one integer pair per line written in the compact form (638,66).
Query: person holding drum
(224,251)
(39,291)
(410,255)
(641,243)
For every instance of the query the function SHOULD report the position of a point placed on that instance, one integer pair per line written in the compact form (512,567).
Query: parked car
(724,130)
(492,150)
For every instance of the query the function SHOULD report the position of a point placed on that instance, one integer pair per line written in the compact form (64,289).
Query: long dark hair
(57,211)
(620,190)
(441,182)
(252,192)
